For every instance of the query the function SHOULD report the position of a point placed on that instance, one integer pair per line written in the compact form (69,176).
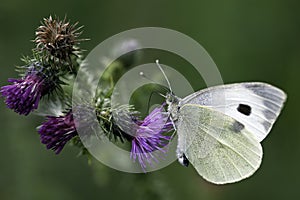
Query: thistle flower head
(24,94)
(59,38)
(149,137)
(55,132)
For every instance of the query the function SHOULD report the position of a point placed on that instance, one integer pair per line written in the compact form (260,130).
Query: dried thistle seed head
(58,39)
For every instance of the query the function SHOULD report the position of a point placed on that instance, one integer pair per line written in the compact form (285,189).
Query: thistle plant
(47,75)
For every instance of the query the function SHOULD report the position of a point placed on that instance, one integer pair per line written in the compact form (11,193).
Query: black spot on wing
(244,109)
(237,126)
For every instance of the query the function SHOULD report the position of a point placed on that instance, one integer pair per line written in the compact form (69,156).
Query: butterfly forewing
(218,146)
(255,105)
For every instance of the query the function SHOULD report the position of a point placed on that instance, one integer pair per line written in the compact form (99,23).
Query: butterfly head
(171,99)
(172,102)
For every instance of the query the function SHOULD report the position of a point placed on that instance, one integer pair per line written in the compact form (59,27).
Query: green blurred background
(248,40)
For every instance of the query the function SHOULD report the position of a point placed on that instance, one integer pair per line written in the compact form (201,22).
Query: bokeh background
(248,40)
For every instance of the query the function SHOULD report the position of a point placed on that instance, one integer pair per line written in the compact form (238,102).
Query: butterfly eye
(168,99)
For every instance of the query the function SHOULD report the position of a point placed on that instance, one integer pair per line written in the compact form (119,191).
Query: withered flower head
(59,39)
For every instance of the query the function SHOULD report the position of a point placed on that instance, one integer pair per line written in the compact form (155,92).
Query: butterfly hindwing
(218,146)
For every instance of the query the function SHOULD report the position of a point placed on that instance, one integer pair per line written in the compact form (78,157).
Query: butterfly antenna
(163,72)
(164,96)
(142,74)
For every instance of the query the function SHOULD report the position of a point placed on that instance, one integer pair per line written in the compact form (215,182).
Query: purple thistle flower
(57,131)
(149,137)
(24,94)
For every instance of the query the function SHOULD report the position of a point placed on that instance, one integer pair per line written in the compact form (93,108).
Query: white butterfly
(220,128)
